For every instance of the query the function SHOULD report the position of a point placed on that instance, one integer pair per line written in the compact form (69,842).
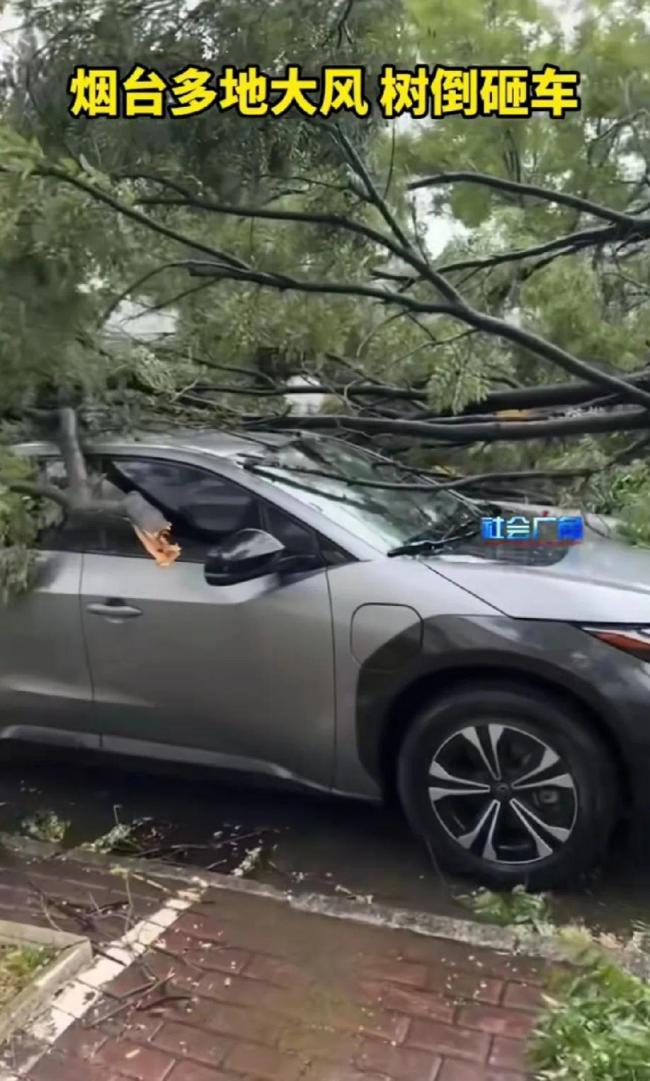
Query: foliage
(121,838)
(45,826)
(18,965)
(634,515)
(18,529)
(596,1026)
(597,306)
(517,908)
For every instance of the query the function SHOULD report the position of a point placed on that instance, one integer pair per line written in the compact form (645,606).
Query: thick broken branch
(553,394)
(520,398)
(73,459)
(78,498)
(623,420)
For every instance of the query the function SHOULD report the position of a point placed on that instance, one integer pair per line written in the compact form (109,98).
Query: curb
(75,953)
(524,942)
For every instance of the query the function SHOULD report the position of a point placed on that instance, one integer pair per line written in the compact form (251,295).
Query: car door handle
(115,610)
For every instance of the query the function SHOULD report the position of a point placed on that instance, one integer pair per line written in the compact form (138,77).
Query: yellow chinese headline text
(421,92)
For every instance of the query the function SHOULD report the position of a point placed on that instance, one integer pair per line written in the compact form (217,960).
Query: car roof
(210,441)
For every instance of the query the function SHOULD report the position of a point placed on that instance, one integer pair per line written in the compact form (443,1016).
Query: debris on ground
(362,898)
(114,840)
(250,860)
(229,850)
(45,826)
(518,907)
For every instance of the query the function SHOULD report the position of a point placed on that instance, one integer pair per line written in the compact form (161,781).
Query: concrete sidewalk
(232,986)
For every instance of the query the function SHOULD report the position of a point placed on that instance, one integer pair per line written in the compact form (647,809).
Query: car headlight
(634,640)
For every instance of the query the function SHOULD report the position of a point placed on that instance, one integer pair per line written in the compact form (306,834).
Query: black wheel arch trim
(553,656)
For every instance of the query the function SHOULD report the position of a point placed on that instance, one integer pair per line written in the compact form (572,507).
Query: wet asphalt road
(305,842)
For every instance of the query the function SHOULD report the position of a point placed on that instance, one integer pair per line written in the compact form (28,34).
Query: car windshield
(346,484)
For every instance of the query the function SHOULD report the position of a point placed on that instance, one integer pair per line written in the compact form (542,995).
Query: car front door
(243,672)
(45,690)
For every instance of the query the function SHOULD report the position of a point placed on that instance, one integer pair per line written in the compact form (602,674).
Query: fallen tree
(301,265)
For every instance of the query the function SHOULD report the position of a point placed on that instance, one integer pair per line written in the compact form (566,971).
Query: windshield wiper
(419,545)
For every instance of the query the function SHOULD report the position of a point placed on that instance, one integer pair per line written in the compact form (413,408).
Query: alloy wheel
(503,795)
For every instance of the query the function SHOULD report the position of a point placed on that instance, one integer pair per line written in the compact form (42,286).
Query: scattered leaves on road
(517,908)
(45,826)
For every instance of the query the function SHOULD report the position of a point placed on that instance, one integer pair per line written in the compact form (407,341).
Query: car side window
(201,506)
(297,538)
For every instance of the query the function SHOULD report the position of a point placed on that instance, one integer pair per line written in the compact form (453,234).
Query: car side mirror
(247,554)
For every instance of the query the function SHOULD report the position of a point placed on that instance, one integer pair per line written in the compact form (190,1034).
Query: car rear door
(243,673)
(45,690)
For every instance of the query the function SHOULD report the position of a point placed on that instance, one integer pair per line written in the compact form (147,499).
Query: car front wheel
(509,785)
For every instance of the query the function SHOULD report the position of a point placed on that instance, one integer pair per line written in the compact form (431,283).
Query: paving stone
(263,1062)
(509,1054)
(132,1060)
(498,1021)
(401,1063)
(408,972)
(451,1040)
(273,994)
(409,1001)
(191,1071)
(523,996)
(181,1041)
(453,1070)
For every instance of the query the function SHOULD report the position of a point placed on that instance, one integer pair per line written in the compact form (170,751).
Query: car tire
(508,784)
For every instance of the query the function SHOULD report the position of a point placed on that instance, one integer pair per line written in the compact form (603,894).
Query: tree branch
(40,491)
(231,267)
(516,398)
(406,253)
(142,280)
(73,459)
(499,328)
(430,486)
(553,394)
(489,432)
(134,215)
(534,191)
(78,497)
(565,245)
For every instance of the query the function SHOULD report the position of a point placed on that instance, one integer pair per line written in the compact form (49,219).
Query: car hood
(599,580)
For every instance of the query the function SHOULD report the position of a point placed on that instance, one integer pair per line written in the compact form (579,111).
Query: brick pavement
(242,988)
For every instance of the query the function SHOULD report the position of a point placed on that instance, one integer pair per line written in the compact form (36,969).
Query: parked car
(350,637)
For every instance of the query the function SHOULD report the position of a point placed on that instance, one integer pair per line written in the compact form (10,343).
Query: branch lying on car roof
(551,395)
(623,420)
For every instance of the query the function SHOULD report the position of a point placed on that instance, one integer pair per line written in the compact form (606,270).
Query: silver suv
(326,626)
